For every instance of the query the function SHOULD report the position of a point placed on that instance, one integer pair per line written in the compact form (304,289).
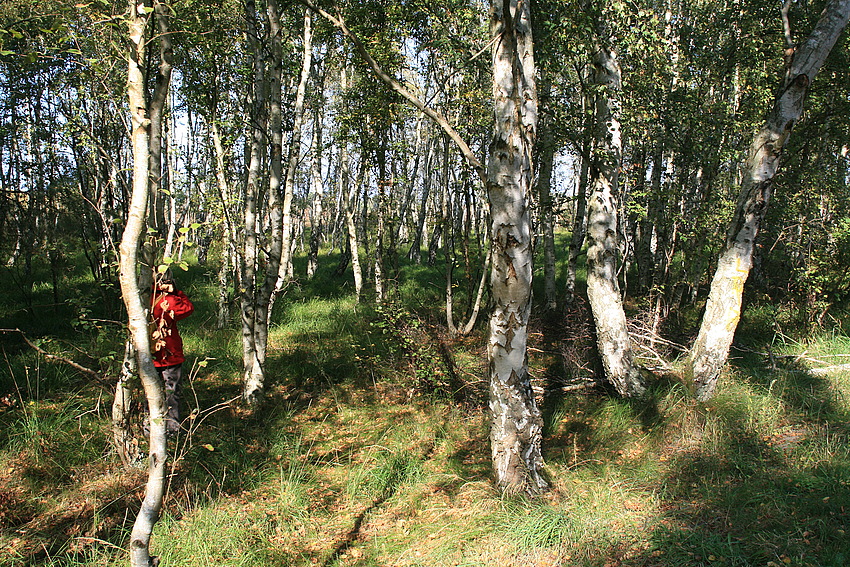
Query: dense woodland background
(295,189)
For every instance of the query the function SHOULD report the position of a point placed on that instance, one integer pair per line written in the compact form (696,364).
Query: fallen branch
(828,369)
(54,357)
(657,339)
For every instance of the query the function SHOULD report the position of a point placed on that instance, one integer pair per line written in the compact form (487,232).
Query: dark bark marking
(509,338)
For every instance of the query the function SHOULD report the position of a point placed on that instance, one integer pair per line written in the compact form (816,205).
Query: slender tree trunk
(381,235)
(479,295)
(446,213)
(318,194)
(723,310)
(516,427)
(137,313)
(122,436)
(547,224)
(228,247)
(418,148)
(415,253)
(295,150)
(352,237)
(602,289)
(579,223)
(252,371)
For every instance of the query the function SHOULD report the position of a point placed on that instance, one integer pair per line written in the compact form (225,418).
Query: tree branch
(54,357)
(405,93)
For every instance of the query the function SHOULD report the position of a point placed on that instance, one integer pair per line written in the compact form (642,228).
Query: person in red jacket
(169,305)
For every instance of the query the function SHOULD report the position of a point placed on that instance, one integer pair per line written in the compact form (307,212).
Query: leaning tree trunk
(516,426)
(128,266)
(723,310)
(602,289)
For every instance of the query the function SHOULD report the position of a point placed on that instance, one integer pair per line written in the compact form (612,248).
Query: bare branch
(53,357)
(405,93)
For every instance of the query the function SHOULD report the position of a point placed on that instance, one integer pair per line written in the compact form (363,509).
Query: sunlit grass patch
(238,534)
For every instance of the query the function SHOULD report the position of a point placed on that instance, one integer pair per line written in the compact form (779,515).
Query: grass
(372,450)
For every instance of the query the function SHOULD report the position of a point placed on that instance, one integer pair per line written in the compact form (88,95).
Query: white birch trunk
(516,426)
(229,232)
(294,151)
(137,313)
(252,371)
(347,197)
(723,310)
(602,289)
(318,186)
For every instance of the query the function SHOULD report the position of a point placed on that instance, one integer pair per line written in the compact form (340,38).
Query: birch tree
(138,20)
(516,426)
(723,309)
(602,253)
(295,151)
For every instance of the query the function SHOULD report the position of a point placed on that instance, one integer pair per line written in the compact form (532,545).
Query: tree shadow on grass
(744,505)
(742,492)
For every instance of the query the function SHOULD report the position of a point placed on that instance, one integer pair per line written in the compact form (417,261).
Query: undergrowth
(372,449)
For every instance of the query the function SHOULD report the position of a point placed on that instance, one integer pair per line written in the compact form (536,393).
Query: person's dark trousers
(171,377)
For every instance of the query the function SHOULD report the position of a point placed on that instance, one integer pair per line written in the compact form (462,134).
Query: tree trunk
(415,253)
(476,305)
(252,371)
(579,224)
(294,152)
(547,224)
(228,247)
(723,310)
(602,289)
(122,434)
(129,249)
(317,226)
(516,427)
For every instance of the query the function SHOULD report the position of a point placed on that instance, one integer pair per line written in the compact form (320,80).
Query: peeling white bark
(603,291)
(516,426)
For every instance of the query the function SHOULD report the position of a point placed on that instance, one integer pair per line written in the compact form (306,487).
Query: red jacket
(168,308)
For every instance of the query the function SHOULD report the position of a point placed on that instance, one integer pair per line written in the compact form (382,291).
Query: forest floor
(372,449)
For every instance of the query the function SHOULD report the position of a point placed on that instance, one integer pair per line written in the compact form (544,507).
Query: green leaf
(208,447)
(183,229)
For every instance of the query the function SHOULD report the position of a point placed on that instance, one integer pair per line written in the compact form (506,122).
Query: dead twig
(54,357)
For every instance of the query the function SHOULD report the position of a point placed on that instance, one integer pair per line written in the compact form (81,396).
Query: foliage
(371,448)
